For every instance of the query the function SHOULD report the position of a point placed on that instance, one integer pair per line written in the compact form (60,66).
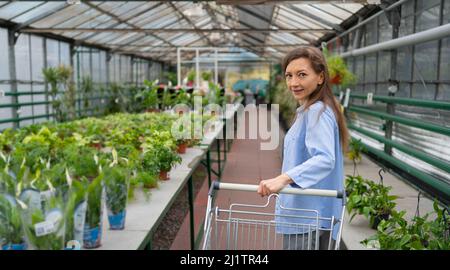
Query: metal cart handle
(244,187)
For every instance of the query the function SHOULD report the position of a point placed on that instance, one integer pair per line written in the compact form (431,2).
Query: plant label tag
(369,98)
(44,228)
(2,93)
(341,96)
(347,97)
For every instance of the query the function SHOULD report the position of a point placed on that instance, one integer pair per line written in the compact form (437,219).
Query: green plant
(87,86)
(50,216)
(182,97)
(191,76)
(75,210)
(215,94)
(369,199)
(167,99)
(206,76)
(94,206)
(116,179)
(421,233)
(11,227)
(63,106)
(149,180)
(338,71)
(171,77)
(356,147)
(150,96)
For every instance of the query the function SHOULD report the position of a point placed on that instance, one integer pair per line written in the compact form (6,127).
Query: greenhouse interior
(225,125)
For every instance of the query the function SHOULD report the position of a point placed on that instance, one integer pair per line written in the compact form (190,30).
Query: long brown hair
(323,92)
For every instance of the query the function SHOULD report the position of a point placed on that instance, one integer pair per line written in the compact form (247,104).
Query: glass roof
(154,29)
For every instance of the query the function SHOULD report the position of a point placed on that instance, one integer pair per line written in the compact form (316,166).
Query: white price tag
(369,98)
(341,96)
(44,228)
(347,97)
(2,93)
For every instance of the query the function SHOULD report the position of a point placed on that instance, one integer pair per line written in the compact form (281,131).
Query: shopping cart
(253,227)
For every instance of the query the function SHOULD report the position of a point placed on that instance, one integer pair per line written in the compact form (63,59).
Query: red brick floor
(246,164)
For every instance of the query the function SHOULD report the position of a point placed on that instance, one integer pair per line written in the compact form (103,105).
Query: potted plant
(151,100)
(356,147)
(148,180)
(93,224)
(45,226)
(191,78)
(338,71)
(166,99)
(149,169)
(171,77)
(371,200)
(11,226)
(117,180)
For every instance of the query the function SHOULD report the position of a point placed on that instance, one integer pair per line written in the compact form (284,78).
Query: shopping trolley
(247,226)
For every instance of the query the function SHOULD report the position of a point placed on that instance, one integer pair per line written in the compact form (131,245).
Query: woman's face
(301,79)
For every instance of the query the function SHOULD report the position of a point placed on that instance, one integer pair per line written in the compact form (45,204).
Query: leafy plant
(206,76)
(94,206)
(369,199)
(76,201)
(116,187)
(51,214)
(150,96)
(191,76)
(421,233)
(182,97)
(171,77)
(87,87)
(11,227)
(167,99)
(338,71)
(148,179)
(356,147)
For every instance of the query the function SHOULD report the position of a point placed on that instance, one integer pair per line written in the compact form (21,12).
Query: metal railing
(436,184)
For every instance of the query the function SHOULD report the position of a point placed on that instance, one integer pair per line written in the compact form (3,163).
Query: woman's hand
(274,185)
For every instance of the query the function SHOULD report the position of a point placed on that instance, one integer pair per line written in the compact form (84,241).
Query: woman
(313,148)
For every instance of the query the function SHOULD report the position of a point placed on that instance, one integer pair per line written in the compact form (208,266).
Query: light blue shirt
(312,158)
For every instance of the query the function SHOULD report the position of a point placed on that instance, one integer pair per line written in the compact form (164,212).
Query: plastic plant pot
(22,246)
(163,175)
(92,237)
(117,221)
(182,148)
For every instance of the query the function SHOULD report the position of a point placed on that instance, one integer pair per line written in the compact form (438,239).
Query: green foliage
(94,206)
(368,198)
(207,75)
(171,77)
(215,95)
(11,227)
(167,99)
(182,97)
(356,147)
(419,234)
(87,87)
(337,67)
(34,216)
(60,80)
(191,76)
(116,180)
(150,94)
(81,161)
(163,147)
(77,195)
(148,179)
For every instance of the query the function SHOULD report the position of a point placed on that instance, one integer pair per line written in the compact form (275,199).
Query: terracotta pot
(152,110)
(182,148)
(163,175)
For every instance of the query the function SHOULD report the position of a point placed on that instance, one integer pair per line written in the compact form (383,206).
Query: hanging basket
(336,80)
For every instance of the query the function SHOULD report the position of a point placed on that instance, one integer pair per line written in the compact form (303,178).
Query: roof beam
(172,5)
(39,17)
(173,30)
(336,27)
(120,20)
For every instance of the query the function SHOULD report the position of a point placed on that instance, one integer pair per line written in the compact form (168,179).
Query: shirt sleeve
(320,144)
